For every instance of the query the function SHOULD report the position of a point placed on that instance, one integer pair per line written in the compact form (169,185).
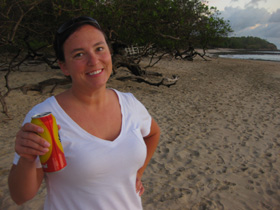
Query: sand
(220,141)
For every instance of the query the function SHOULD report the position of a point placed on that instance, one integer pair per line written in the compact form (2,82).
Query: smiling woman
(87,60)
(108,136)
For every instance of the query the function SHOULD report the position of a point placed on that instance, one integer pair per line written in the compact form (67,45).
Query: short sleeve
(143,117)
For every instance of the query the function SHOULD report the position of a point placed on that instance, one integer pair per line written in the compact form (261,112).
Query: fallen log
(164,81)
(41,85)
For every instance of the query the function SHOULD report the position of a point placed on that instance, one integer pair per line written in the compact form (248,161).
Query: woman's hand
(139,186)
(29,144)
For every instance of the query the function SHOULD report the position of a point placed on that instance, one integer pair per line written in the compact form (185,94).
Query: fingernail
(40,130)
(45,150)
(47,144)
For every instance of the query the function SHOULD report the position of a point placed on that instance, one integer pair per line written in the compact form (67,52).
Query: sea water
(254,55)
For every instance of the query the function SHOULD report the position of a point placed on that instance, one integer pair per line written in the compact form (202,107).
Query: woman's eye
(78,55)
(100,48)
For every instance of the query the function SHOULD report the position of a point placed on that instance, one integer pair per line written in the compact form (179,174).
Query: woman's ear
(63,68)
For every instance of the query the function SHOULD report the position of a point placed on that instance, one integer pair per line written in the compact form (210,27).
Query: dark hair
(68,28)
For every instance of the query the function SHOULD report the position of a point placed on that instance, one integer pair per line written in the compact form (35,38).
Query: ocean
(252,55)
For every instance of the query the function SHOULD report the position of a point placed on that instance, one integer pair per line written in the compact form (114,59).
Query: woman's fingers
(139,187)
(30,127)
(28,143)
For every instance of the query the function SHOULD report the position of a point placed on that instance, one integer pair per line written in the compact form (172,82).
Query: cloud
(271,30)
(275,17)
(254,3)
(252,21)
(243,18)
(262,30)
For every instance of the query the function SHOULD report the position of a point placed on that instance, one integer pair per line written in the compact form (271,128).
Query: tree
(166,25)
(248,43)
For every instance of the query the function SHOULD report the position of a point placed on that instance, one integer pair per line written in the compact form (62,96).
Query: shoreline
(219,147)
(246,54)
(231,50)
(265,60)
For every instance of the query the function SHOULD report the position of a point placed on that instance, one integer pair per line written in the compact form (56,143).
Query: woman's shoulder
(125,97)
(129,101)
(45,106)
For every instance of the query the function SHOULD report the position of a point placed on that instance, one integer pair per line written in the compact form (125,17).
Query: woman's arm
(24,178)
(24,181)
(151,142)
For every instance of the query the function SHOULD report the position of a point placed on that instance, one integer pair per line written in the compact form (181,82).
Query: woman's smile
(96,72)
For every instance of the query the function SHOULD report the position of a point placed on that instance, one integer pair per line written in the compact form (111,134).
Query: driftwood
(158,59)
(41,85)
(123,61)
(189,54)
(164,81)
(140,75)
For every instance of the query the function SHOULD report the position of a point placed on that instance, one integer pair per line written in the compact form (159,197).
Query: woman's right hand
(29,144)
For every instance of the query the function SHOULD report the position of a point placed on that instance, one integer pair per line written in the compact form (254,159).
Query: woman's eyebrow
(99,43)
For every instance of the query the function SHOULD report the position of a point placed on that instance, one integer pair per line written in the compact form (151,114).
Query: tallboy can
(54,160)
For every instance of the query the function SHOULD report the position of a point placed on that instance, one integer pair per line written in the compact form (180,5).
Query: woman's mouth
(95,72)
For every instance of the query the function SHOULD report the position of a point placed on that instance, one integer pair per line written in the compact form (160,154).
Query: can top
(41,115)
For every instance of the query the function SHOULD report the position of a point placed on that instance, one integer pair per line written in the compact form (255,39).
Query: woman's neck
(96,100)
(92,98)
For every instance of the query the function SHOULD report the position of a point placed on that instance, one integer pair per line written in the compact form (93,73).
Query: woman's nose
(92,59)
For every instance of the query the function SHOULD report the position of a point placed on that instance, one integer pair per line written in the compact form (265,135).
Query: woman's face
(87,58)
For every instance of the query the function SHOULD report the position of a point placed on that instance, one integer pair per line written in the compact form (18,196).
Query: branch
(21,18)
(4,105)
(160,57)
(164,81)
(190,54)
(111,34)
(41,85)
(169,37)
(2,97)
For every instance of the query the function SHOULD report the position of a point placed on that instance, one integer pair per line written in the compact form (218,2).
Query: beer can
(54,160)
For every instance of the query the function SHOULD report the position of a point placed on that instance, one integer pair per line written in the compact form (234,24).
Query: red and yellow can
(54,159)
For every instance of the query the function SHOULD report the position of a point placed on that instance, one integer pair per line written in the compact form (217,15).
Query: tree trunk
(123,61)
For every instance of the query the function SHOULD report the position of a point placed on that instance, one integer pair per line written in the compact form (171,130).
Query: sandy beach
(220,125)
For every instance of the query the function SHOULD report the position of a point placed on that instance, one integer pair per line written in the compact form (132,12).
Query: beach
(220,133)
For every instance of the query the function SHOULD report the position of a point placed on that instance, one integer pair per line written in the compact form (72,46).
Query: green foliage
(166,24)
(250,43)
(36,44)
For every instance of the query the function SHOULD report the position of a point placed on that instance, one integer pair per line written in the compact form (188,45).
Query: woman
(108,136)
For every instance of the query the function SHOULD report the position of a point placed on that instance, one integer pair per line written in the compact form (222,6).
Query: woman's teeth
(95,72)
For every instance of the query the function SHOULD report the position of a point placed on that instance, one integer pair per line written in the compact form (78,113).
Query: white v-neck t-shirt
(100,174)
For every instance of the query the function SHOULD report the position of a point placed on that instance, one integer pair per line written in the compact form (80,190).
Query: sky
(258,18)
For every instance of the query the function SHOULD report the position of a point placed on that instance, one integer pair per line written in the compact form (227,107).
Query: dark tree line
(248,43)
(163,25)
